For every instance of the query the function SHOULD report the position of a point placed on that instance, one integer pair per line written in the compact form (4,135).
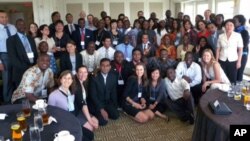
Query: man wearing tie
(82,36)
(6,30)
(146,47)
(70,27)
(103,98)
(106,51)
(22,53)
(213,37)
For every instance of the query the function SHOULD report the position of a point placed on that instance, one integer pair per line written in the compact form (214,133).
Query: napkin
(52,119)
(2,116)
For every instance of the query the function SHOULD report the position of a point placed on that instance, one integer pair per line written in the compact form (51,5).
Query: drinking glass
(38,121)
(45,115)
(16,133)
(34,133)
(22,121)
(26,107)
(231,92)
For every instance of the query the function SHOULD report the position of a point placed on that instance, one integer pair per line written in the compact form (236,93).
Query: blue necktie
(26,44)
(7,30)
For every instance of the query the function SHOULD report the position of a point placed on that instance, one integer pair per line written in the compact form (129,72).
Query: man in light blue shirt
(6,30)
(126,48)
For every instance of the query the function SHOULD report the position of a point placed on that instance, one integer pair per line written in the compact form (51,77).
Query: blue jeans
(5,76)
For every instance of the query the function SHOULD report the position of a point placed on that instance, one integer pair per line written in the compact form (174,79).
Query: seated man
(179,99)
(103,95)
(35,81)
(191,72)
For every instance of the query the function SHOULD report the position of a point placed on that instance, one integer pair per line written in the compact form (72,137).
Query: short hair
(90,15)
(106,37)
(105,60)
(113,21)
(59,22)
(2,11)
(54,13)
(68,14)
(189,53)
(42,55)
(71,42)
(80,19)
(118,52)
(220,15)
(81,66)
(137,49)
(241,19)
(19,20)
(229,20)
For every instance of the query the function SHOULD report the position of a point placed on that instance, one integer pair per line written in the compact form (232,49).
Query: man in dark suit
(103,97)
(146,47)
(213,37)
(22,53)
(70,26)
(82,36)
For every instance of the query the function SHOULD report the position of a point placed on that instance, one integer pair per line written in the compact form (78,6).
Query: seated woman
(88,121)
(202,45)
(71,59)
(157,92)
(135,96)
(213,74)
(184,47)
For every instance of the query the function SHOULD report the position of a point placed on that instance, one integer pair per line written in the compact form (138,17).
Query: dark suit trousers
(229,69)
(184,109)
(241,69)
(112,111)
(196,92)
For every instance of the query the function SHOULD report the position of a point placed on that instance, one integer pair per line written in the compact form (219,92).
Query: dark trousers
(184,109)
(111,109)
(196,92)
(229,69)
(241,69)
(6,77)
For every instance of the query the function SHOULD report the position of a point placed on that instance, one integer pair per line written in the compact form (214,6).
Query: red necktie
(82,35)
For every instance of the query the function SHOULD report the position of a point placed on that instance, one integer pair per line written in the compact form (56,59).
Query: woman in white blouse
(213,74)
(43,35)
(229,50)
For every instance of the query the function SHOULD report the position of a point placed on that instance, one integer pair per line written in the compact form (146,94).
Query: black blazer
(99,37)
(66,30)
(131,90)
(76,36)
(101,94)
(124,71)
(79,101)
(151,51)
(19,61)
(65,63)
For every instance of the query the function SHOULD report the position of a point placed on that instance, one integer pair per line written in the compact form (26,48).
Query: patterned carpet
(125,129)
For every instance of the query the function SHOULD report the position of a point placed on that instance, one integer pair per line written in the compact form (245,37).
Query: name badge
(152,98)
(82,43)
(97,43)
(120,82)
(139,94)
(115,42)
(30,55)
(44,93)
(73,72)
(128,59)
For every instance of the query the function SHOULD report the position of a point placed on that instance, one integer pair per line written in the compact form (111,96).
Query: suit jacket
(152,50)
(18,58)
(101,94)
(210,40)
(76,36)
(67,30)
(65,62)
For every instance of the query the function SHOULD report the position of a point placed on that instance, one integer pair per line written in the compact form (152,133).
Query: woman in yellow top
(183,48)
(166,43)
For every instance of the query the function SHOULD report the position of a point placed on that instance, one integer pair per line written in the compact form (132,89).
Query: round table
(65,121)
(211,127)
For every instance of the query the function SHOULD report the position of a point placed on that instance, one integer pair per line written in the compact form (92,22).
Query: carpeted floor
(125,129)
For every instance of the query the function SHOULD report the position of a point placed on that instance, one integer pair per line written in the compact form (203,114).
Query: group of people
(99,66)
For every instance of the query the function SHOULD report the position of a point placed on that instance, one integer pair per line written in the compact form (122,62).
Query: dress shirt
(91,61)
(228,47)
(4,36)
(71,28)
(102,51)
(193,72)
(25,42)
(104,77)
(122,47)
(176,88)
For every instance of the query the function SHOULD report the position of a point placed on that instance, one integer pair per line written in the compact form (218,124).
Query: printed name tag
(97,43)
(120,82)
(115,42)
(44,93)
(82,43)
(139,95)
(30,55)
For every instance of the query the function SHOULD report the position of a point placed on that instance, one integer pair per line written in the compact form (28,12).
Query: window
(189,10)
(226,8)
(201,8)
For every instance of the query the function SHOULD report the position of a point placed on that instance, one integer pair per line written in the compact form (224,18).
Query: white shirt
(228,47)
(176,88)
(193,72)
(102,51)
(91,61)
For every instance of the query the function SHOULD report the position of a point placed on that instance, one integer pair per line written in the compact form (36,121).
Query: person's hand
(197,48)
(93,122)
(54,49)
(187,78)
(104,114)
(63,49)
(204,87)
(1,67)
(137,106)
(186,95)
(58,48)
(152,106)
(146,51)
(238,65)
